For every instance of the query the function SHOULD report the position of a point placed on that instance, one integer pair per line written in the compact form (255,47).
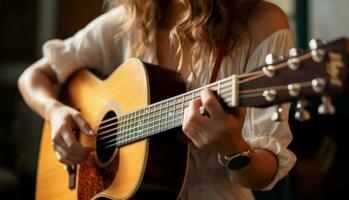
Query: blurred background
(320,144)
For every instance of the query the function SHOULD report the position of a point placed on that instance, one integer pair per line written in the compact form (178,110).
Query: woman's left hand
(218,131)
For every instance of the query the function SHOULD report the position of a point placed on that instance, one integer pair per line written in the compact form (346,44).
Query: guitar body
(139,170)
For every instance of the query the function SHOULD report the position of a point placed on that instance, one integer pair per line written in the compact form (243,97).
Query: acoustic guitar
(138,112)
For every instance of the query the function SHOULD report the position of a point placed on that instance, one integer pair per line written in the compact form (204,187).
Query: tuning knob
(317,54)
(326,107)
(318,84)
(301,113)
(269,70)
(294,89)
(293,61)
(270,59)
(270,95)
(277,115)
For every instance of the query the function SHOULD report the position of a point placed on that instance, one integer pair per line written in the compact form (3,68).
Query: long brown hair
(204,22)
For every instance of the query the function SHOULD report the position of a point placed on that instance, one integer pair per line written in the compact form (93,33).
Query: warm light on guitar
(138,115)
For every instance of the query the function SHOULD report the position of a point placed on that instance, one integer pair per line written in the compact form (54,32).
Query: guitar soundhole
(106,137)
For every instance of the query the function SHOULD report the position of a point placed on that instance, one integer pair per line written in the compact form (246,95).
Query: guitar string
(176,99)
(135,116)
(123,123)
(145,122)
(180,114)
(157,114)
(260,74)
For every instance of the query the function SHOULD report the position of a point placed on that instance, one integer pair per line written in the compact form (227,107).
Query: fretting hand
(218,131)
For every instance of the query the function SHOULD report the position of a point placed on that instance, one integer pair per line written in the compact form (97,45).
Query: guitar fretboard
(159,117)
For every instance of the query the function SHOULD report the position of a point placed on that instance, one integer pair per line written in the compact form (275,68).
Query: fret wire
(183,104)
(167,113)
(174,112)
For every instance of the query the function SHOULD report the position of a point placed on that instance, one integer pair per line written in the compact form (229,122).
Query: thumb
(83,125)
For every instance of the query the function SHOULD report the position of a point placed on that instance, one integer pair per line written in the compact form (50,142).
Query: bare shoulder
(265,19)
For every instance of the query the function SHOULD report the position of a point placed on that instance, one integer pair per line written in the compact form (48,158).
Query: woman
(189,33)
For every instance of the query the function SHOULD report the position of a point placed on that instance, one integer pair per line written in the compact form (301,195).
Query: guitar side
(158,163)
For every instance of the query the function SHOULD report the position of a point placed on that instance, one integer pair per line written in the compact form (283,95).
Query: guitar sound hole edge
(106,134)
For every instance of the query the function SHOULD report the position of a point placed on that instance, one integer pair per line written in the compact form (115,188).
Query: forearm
(37,86)
(260,172)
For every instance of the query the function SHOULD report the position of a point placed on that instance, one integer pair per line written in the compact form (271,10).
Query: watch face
(239,162)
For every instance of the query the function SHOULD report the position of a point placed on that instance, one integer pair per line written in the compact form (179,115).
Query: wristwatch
(236,161)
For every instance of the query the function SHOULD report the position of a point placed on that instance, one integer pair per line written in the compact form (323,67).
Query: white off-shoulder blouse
(95,45)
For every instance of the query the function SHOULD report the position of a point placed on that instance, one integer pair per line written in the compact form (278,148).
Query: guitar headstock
(320,72)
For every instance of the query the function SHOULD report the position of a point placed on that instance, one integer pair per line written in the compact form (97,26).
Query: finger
(72,151)
(83,125)
(187,127)
(64,157)
(211,104)
(74,147)
(193,120)
(194,108)
(193,114)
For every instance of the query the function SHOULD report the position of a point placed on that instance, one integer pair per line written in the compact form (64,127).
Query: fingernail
(90,132)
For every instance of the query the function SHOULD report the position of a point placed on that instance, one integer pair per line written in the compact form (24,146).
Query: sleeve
(93,46)
(259,131)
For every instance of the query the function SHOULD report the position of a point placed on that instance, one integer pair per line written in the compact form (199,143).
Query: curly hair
(203,22)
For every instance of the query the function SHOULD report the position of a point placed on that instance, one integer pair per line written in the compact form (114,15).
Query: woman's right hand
(64,120)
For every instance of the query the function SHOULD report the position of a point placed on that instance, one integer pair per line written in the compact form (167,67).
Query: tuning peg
(294,89)
(269,95)
(277,115)
(326,107)
(318,84)
(271,59)
(317,54)
(293,61)
(315,43)
(301,113)
(294,52)
(269,70)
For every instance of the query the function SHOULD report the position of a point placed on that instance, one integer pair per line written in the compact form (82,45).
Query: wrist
(238,145)
(238,157)
(51,106)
